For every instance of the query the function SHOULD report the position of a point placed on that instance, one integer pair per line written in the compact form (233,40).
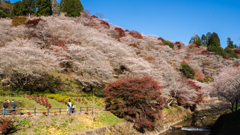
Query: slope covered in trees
(95,53)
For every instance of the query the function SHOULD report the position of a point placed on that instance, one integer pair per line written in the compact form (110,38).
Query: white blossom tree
(227,85)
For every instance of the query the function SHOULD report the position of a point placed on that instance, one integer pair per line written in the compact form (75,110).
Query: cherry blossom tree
(227,85)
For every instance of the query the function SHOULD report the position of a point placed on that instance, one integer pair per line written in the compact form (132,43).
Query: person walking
(69,106)
(73,108)
(5,106)
(14,105)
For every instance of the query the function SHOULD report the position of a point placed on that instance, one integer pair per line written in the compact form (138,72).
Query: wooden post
(48,110)
(35,111)
(3,111)
(20,111)
(80,109)
(87,108)
(60,110)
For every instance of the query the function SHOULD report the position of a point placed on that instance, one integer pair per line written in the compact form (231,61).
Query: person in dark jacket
(14,106)
(5,106)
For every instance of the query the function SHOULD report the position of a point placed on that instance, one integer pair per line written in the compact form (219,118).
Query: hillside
(92,52)
(6,5)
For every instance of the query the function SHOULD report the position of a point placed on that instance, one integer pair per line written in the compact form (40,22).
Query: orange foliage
(183,62)
(198,74)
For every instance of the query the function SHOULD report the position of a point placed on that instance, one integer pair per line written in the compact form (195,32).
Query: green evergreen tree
(4,12)
(214,40)
(196,39)
(18,9)
(229,51)
(44,7)
(230,43)
(204,40)
(214,44)
(29,6)
(71,7)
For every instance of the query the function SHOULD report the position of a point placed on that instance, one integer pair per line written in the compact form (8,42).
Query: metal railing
(45,111)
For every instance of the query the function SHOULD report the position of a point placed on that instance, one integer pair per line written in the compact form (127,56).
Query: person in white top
(69,106)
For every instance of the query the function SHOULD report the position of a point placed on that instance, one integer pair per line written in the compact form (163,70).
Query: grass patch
(65,124)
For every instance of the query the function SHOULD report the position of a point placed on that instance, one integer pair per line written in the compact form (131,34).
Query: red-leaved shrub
(136,99)
(237,51)
(93,16)
(178,45)
(161,39)
(33,23)
(105,23)
(44,113)
(5,124)
(205,52)
(120,32)
(135,34)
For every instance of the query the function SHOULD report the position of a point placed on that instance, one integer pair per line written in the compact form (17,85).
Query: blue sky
(175,20)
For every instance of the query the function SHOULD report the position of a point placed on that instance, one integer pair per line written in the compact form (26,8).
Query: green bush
(199,80)
(230,52)
(166,106)
(8,93)
(169,43)
(187,71)
(2,93)
(20,93)
(28,92)
(218,50)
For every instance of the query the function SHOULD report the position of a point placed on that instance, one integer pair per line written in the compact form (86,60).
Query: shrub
(208,79)
(218,50)
(20,93)
(29,113)
(178,45)
(136,99)
(134,45)
(120,32)
(198,74)
(166,106)
(33,23)
(237,51)
(105,23)
(5,124)
(169,43)
(44,113)
(187,71)
(159,38)
(230,52)
(18,20)
(135,34)
(205,52)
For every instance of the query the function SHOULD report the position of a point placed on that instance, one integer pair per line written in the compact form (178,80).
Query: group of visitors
(70,107)
(5,106)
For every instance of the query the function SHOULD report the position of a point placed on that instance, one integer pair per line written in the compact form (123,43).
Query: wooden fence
(44,111)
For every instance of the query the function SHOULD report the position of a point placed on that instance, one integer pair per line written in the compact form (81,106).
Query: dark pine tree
(18,9)
(44,7)
(214,45)
(204,40)
(29,6)
(71,7)
(196,39)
